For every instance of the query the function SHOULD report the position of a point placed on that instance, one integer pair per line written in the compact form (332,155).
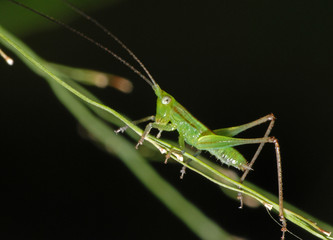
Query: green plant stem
(202,168)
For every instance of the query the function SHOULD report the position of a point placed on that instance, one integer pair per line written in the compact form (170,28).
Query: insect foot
(122,129)
(177,154)
(182,172)
(284,226)
(240,199)
(167,156)
(139,143)
(159,134)
(271,117)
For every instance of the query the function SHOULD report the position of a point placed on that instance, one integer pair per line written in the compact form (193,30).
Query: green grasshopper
(171,116)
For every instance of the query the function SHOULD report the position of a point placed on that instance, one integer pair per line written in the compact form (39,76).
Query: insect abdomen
(230,157)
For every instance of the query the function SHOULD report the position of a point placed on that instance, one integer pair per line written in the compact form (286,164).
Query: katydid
(172,116)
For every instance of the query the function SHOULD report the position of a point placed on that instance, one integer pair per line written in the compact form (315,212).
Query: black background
(227,62)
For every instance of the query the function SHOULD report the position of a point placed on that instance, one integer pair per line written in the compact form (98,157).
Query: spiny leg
(209,142)
(233,131)
(146,119)
(279,173)
(183,170)
(150,126)
(280,184)
(280,187)
(160,127)
(270,118)
(176,153)
(181,141)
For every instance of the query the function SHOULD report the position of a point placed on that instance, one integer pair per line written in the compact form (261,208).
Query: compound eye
(166,100)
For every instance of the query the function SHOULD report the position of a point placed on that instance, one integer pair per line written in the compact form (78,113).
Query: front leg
(146,119)
(150,126)
(181,142)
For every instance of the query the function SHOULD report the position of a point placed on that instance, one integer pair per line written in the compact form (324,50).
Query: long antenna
(149,80)
(114,37)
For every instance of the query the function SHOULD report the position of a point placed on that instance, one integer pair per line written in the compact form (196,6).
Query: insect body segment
(171,115)
(230,157)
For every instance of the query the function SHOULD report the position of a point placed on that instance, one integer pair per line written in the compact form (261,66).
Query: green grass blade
(186,211)
(182,208)
(205,169)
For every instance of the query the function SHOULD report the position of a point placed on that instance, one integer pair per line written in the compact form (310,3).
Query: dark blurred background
(227,62)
